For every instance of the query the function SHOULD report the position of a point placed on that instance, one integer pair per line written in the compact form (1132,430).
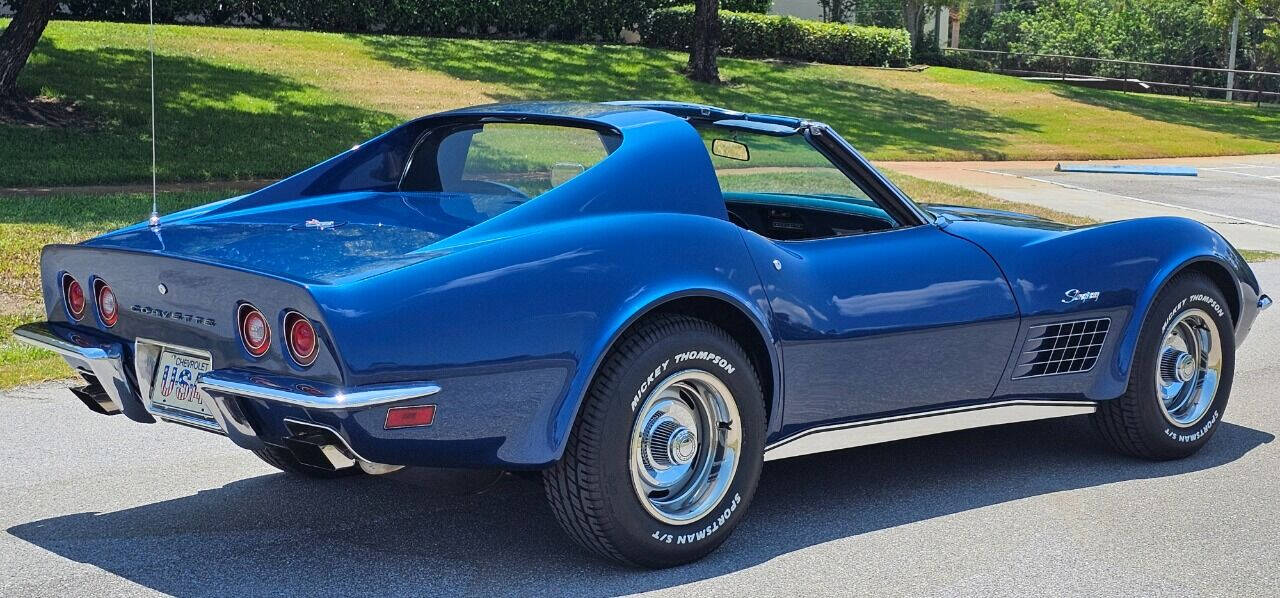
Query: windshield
(748,163)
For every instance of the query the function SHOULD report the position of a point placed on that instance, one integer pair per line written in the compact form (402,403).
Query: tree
(706,42)
(1267,12)
(913,19)
(839,11)
(19,39)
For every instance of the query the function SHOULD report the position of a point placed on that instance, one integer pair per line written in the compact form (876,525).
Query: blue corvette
(643,300)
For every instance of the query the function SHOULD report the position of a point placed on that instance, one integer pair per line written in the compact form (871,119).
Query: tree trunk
(706,42)
(19,39)
(912,10)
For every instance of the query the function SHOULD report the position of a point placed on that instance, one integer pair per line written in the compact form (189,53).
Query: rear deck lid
(326,239)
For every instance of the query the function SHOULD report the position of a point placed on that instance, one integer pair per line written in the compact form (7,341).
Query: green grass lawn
(246,103)
(1258,255)
(29,223)
(249,103)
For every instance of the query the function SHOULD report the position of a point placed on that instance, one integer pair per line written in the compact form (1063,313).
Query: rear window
(509,160)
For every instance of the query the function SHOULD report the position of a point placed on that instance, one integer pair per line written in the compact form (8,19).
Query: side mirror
(732,150)
(561,172)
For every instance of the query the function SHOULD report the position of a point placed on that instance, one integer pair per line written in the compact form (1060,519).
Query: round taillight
(74,295)
(108,309)
(254,331)
(302,338)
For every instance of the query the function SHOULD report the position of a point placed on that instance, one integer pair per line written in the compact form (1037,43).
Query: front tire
(1181,376)
(667,450)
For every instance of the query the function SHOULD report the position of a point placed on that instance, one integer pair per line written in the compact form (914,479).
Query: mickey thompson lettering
(657,372)
(706,356)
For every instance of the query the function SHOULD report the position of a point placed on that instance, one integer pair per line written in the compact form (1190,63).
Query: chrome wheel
(685,446)
(1189,367)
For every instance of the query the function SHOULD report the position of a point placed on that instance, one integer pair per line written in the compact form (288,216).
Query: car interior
(774,182)
(790,218)
(782,188)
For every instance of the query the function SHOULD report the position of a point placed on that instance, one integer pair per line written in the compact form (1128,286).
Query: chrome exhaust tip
(321,446)
(372,468)
(96,399)
(314,449)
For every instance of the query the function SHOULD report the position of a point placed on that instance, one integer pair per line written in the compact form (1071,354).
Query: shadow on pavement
(441,531)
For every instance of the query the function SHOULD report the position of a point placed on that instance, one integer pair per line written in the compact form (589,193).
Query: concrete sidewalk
(1237,196)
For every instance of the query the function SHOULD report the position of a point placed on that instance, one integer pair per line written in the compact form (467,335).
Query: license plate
(175,382)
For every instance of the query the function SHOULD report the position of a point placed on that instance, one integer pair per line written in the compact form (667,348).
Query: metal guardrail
(1258,85)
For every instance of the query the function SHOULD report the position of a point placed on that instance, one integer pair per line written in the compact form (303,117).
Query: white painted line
(1256,176)
(1140,200)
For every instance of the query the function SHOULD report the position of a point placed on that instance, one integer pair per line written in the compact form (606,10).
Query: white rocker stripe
(899,427)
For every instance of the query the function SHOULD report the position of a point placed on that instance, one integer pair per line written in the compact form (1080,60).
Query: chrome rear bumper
(223,391)
(300,394)
(104,360)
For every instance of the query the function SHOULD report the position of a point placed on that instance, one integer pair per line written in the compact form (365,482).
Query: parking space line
(1138,199)
(1256,176)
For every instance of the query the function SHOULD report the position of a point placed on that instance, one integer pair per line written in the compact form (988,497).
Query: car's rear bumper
(251,408)
(283,404)
(101,358)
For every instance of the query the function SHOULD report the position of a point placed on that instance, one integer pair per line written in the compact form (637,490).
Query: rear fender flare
(565,415)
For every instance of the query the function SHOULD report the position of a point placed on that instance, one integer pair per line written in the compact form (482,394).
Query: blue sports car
(644,301)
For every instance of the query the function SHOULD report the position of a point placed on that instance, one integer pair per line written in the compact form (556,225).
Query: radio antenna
(154,221)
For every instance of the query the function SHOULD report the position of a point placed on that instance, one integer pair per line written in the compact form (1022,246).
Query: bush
(1164,31)
(767,36)
(760,6)
(554,19)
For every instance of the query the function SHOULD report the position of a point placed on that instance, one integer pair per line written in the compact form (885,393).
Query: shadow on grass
(424,532)
(215,122)
(876,119)
(1243,120)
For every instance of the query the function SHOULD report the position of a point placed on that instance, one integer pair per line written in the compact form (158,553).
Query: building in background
(942,24)
(800,9)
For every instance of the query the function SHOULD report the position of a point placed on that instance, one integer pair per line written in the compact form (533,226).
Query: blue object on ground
(1128,169)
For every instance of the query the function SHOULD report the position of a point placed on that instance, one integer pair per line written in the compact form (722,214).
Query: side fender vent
(1065,348)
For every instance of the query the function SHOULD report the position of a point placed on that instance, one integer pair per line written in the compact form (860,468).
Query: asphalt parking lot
(1238,196)
(1243,188)
(93,505)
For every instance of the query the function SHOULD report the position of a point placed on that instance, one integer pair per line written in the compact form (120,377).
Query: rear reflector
(410,417)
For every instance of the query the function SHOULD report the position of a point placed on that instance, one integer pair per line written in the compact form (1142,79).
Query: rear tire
(1181,376)
(282,459)
(667,449)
